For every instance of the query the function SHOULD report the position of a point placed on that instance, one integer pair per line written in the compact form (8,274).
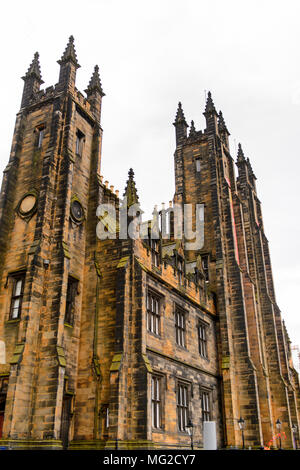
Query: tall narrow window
(202,340)
(205,265)
(104,420)
(156,401)
(40,136)
(180,270)
(180,327)
(182,406)
(107,417)
(198,165)
(79,143)
(66,420)
(70,301)
(17,295)
(153,313)
(155,255)
(3,393)
(206,411)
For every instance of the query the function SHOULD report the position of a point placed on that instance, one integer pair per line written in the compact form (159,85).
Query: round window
(27,204)
(77,211)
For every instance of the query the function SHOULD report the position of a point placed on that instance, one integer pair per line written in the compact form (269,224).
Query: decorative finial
(192,129)
(130,190)
(240,155)
(34,69)
(180,118)
(69,54)
(210,107)
(95,83)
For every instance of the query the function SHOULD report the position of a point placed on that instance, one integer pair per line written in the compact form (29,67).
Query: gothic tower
(122,341)
(48,202)
(257,382)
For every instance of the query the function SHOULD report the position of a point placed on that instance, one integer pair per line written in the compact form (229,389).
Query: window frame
(182,405)
(198,165)
(202,341)
(79,143)
(206,400)
(3,397)
(180,266)
(155,252)
(40,130)
(156,402)
(180,326)
(15,278)
(70,303)
(205,266)
(153,318)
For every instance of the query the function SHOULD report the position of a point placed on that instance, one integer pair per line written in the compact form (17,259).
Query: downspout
(95,356)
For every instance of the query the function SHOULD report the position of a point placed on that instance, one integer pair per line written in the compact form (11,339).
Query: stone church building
(126,342)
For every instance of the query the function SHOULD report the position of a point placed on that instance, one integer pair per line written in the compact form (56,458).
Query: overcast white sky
(153,54)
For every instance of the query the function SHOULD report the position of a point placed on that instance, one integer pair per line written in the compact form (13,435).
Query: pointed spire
(211,115)
(180,118)
(210,107)
(240,155)
(69,54)
(180,125)
(130,190)
(34,69)
(221,124)
(192,129)
(95,83)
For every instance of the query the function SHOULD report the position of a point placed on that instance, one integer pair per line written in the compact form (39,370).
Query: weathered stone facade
(82,346)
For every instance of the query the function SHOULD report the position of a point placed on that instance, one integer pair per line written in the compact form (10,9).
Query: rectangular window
(202,339)
(70,301)
(182,406)
(198,165)
(153,313)
(205,402)
(40,136)
(66,417)
(180,327)
(156,404)
(180,271)
(155,255)
(107,417)
(79,143)
(17,295)
(3,393)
